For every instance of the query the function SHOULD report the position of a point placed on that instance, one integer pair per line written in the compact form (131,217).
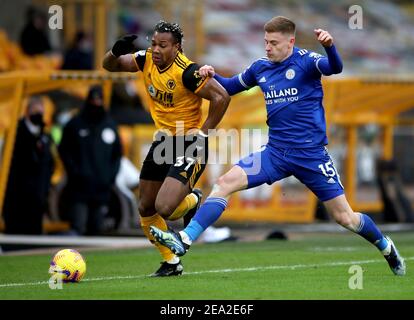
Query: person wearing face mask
(80,55)
(30,173)
(91,153)
(34,38)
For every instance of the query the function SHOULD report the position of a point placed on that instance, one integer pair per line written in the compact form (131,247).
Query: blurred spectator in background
(129,22)
(126,105)
(80,55)
(91,152)
(30,174)
(127,181)
(34,37)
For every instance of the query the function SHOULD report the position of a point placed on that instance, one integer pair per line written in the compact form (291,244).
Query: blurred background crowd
(227,34)
(231,28)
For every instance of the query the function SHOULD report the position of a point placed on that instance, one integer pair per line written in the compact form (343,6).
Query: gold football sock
(157,221)
(189,202)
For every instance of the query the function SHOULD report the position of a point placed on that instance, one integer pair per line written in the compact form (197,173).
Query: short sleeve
(192,79)
(140,57)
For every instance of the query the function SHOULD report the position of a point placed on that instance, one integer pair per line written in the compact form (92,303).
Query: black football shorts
(176,157)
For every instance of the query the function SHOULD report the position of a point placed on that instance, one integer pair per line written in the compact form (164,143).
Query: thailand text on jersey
(172,91)
(293,94)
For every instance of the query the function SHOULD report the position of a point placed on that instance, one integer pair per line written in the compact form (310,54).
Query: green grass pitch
(306,267)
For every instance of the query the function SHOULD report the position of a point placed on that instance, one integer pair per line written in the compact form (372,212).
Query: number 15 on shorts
(328,170)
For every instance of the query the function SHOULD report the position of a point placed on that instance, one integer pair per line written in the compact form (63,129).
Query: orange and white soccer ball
(68,265)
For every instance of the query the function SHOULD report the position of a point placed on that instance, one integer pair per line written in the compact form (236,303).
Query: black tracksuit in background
(91,152)
(28,182)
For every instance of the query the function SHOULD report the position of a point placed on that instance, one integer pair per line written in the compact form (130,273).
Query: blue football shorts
(312,166)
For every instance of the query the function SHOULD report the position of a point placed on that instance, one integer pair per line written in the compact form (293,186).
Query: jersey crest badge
(171,84)
(151,90)
(108,136)
(197,74)
(290,74)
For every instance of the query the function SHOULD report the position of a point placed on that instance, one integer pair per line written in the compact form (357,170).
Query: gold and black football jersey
(174,103)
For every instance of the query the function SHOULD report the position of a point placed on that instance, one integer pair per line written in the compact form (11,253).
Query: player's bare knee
(217,191)
(164,209)
(344,219)
(146,211)
(221,188)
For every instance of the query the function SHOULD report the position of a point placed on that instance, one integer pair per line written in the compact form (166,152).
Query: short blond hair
(280,24)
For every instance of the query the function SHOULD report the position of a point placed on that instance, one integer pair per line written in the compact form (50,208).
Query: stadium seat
(12,57)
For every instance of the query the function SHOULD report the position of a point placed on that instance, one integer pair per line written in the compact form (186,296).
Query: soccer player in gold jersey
(179,152)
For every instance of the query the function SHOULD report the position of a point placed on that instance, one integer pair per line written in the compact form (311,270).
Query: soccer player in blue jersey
(290,79)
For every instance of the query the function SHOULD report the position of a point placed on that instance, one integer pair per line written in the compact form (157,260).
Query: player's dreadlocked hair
(172,28)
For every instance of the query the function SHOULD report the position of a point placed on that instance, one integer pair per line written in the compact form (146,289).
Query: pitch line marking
(264,268)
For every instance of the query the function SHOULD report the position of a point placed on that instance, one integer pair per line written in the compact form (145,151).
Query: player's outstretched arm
(219,101)
(119,58)
(232,85)
(333,63)
(207,71)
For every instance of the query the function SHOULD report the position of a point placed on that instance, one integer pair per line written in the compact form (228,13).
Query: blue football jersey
(293,94)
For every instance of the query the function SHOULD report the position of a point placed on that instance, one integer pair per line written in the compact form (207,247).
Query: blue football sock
(369,230)
(208,213)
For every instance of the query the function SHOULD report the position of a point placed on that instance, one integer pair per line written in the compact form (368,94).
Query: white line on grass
(263,268)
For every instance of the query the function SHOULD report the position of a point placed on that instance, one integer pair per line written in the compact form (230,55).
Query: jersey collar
(294,52)
(167,67)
